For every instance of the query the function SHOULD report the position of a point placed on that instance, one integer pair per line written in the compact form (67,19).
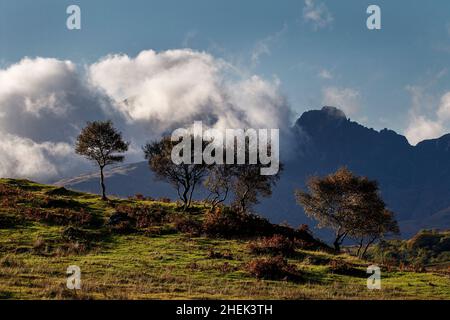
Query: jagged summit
(323,117)
(333,112)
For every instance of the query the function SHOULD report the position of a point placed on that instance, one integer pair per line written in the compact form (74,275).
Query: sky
(253,63)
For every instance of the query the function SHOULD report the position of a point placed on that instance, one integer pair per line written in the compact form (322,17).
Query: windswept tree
(374,225)
(248,185)
(185,177)
(244,181)
(348,204)
(218,183)
(100,142)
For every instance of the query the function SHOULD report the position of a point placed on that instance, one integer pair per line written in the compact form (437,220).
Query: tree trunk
(337,246)
(243,200)
(185,199)
(102,182)
(367,247)
(360,247)
(191,193)
(338,241)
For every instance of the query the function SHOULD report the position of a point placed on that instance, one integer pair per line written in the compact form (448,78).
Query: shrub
(188,225)
(72,248)
(160,230)
(9,220)
(10,191)
(79,217)
(10,261)
(220,255)
(50,202)
(316,260)
(40,246)
(164,200)
(273,268)
(275,245)
(344,268)
(59,216)
(142,216)
(62,192)
(123,227)
(74,234)
(226,222)
(139,196)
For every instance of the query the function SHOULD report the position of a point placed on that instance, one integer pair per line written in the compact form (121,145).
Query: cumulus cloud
(425,123)
(45,102)
(421,128)
(172,88)
(346,99)
(317,14)
(46,98)
(22,157)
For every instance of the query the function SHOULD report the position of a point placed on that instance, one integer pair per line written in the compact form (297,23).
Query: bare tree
(100,142)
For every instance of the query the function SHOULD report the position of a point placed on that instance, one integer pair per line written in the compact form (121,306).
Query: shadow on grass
(4,295)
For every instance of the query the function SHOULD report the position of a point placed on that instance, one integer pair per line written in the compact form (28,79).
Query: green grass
(174,266)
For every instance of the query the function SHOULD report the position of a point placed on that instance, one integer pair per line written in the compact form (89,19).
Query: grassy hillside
(159,253)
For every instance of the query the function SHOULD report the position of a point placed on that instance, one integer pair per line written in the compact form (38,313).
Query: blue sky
(396,77)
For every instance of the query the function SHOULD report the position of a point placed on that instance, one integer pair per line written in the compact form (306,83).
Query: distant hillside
(427,249)
(414,180)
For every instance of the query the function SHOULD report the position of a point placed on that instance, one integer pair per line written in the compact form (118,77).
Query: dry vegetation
(142,248)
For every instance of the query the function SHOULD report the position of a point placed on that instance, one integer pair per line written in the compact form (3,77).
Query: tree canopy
(100,142)
(348,204)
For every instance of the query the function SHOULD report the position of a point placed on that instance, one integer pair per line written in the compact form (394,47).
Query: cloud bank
(45,102)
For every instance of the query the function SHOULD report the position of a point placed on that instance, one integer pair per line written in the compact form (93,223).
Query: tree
(248,185)
(218,183)
(374,225)
(100,142)
(244,181)
(185,177)
(348,204)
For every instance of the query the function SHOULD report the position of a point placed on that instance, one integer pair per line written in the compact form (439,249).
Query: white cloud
(35,86)
(22,157)
(44,98)
(421,128)
(176,87)
(346,99)
(317,14)
(443,111)
(325,74)
(44,103)
(263,47)
(424,121)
